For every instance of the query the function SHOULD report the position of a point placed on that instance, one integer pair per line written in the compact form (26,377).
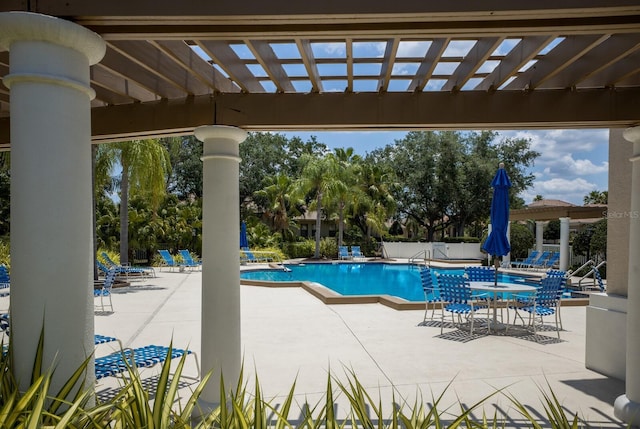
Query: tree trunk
(340,224)
(124,212)
(94,150)
(318,224)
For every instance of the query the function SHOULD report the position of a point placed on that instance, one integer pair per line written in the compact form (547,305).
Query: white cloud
(570,190)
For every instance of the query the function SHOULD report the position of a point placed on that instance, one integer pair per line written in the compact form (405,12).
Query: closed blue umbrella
(244,241)
(497,244)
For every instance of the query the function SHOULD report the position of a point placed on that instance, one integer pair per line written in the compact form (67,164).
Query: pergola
(116,70)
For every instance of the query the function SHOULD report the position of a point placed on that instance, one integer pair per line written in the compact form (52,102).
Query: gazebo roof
(354,65)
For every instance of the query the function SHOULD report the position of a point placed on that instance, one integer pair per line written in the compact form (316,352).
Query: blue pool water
(401,280)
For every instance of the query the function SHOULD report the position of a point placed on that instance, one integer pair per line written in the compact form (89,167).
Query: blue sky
(573,162)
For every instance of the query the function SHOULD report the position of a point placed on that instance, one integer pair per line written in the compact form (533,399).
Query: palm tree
(347,165)
(318,180)
(375,204)
(144,167)
(280,202)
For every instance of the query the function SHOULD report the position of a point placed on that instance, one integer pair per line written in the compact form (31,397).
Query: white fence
(435,250)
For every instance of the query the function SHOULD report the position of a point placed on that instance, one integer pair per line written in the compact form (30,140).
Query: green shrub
(5,251)
(328,248)
(301,249)
(463,239)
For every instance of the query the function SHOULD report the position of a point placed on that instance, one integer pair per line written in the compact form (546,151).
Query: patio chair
(598,277)
(343,253)
(356,253)
(457,299)
(430,289)
(168,260)
(546,302)
(480,274)
(141,357)
(127,270)
(105,291)
(188,260)
(527,261)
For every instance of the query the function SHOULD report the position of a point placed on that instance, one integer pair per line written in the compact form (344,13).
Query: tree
(552,230)
(346,168)
(279,201)
(185,178)
(521,240)
(373,203)
(596,197)
(446,176)
(317,181)
(265,155)
(144,167)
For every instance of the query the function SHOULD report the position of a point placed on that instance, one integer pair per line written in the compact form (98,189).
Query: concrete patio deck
(289,335)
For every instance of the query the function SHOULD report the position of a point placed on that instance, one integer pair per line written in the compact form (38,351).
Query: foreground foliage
(135,406)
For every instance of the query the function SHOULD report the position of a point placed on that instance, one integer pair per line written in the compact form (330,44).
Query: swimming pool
(401,280)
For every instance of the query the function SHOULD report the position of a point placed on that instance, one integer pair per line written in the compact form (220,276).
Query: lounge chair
(105,291)
(539,261)
(168,260)
(141,357)
(553,260)
(127,270)
(5,281)
(343,253)
(250,257)
(457,299)
(188,261)
(356,253)
(527,261)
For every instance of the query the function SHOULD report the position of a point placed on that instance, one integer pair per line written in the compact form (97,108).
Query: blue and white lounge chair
(168,259)
(141,357)
(356,253)
(127,270)
(527,261)
(539,262)
(251,257)
(188,261)
(553,260)
(104,292)
(343,253)
(5,281)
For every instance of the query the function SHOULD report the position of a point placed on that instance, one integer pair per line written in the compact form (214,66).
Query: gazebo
(82,72)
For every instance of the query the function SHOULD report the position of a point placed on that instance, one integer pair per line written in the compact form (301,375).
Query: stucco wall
(618,212)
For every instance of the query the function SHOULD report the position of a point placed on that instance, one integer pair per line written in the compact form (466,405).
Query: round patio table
(500,288)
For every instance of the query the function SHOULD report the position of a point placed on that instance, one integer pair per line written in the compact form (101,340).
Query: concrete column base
(627,411)
(605,352)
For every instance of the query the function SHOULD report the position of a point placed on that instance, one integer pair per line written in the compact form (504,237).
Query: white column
(220,323)
(564,243)
(627,406)
(539,235)
(51,211)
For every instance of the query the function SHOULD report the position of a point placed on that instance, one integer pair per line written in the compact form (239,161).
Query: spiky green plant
(132,407)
